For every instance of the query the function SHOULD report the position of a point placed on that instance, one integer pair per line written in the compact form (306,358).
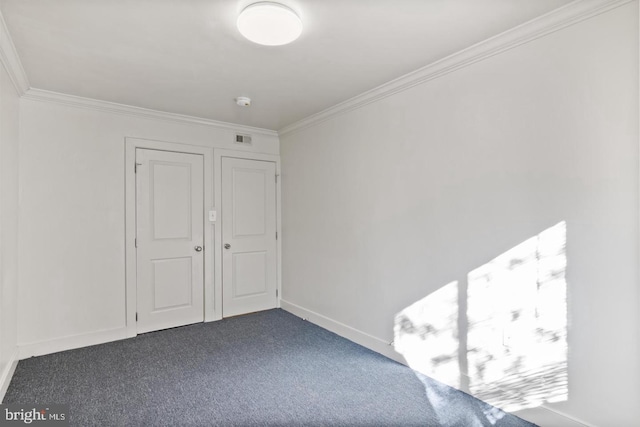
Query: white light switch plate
(213,215)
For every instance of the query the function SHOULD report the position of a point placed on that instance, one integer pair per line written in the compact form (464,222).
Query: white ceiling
(187,57)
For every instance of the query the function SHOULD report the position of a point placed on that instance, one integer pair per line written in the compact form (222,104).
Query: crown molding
(565,16)
(555,20)
(115,108)
(11,61)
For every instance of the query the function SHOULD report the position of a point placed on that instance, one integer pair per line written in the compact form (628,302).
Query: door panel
(249,204)
(171,193)
(170,228)
(249,274)
(171,282)
(248,236)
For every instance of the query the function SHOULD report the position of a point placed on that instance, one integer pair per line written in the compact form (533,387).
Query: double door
(170,246)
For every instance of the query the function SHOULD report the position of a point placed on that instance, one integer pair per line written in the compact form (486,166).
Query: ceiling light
(270,24)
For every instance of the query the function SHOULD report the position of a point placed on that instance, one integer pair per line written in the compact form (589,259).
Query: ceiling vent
(243,139)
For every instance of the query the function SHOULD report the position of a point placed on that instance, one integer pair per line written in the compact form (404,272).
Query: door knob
(227,246)
(198,248)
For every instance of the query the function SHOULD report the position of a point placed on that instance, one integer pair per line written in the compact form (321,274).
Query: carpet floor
(264,369)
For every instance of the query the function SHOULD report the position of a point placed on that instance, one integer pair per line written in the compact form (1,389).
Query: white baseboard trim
(542,416)
(345,331)
(571,420)
(70,342)
(7,374)
(548,417)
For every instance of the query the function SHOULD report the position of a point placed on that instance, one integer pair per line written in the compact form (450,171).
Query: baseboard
(70,342)
(7,374)
(345,331)
(542,415)
(548,417)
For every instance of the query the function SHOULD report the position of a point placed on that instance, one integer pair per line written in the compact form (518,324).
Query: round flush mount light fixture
(269,23)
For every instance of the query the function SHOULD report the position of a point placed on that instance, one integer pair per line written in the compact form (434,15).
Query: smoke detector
(243,101)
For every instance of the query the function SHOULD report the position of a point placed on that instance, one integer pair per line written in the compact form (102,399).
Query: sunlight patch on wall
(499,333)
(517,324)
(427,335)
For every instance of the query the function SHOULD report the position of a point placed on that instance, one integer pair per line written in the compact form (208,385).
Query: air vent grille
(243,139)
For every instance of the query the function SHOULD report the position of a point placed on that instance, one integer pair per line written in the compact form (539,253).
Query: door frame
(210,299)
(218,154)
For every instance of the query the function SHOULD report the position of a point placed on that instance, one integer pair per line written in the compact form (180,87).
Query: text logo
(35,415)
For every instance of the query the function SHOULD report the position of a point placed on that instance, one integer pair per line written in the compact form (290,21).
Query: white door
(248,236)
(169,240)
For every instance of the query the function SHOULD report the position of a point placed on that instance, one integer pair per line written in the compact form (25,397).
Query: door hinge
(276,235)
(136,241)
(276,179)
(276,293)
(135,167)
(136,317)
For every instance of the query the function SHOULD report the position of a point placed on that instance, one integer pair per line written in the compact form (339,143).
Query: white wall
(72,190)
(385,204)
(9,126)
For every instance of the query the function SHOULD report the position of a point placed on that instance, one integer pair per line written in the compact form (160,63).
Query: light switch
(213,216)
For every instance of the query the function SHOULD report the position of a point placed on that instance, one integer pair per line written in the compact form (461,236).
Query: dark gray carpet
(263,369)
